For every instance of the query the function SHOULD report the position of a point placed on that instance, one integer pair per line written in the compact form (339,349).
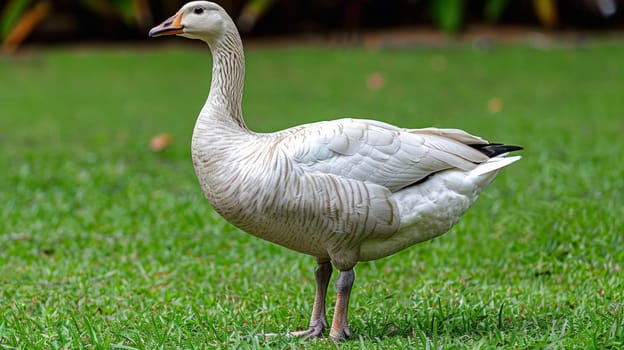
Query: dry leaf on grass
(375,81)
(160,142)
(495,105)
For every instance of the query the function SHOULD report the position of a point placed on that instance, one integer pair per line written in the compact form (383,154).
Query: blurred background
(75,21)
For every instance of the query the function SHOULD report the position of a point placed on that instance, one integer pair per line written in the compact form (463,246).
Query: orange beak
(172,26)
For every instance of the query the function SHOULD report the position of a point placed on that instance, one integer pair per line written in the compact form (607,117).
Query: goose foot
(314,331)
(340,334)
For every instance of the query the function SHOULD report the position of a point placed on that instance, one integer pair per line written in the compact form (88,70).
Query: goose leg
(318,321)
(340,328)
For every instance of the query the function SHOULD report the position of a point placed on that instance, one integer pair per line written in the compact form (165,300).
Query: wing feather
(379,153)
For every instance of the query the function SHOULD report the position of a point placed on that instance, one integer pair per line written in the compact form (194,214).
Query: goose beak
(172,26)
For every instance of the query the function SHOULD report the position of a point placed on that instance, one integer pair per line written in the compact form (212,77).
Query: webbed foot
(314,331)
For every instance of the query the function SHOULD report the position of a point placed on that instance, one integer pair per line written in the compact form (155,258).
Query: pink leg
(340,328)
(318,321)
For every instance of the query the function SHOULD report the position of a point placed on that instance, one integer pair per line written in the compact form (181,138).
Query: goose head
(201,20)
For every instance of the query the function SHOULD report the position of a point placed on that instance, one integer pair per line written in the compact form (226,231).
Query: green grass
(106,244)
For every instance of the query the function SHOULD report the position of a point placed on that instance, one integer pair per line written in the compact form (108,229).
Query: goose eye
(198,11)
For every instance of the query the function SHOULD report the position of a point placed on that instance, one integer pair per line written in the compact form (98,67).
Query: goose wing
(379,153)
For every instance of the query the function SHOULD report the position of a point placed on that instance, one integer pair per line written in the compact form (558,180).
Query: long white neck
(223,105)
(220,131)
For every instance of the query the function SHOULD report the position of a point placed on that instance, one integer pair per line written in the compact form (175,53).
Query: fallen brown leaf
(375,81)
(160,142)
(495,105)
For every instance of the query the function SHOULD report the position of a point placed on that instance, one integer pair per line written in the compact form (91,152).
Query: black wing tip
(494,149)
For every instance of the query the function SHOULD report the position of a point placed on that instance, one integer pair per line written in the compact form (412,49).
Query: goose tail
(493,164)
(495,149)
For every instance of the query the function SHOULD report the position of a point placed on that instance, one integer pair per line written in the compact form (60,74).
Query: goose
(342,191)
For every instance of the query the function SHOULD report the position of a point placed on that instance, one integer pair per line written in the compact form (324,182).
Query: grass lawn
(106,244)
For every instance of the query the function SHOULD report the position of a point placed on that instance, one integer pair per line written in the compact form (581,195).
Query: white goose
(341,191)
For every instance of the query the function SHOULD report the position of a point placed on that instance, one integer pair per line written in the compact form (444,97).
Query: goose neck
(228,74)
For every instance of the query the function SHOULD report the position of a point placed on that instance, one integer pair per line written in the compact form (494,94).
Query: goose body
(342,191)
